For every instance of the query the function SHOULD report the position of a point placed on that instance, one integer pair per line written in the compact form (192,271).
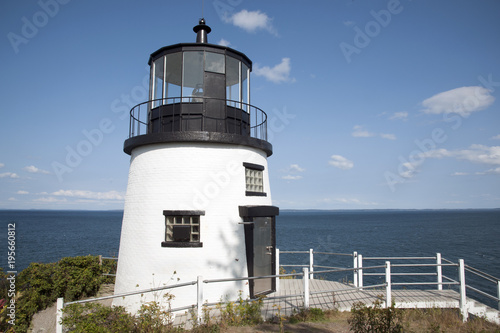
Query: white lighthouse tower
(198,199)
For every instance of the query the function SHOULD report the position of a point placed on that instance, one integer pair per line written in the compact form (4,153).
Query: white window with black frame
(182,228)
(254,179)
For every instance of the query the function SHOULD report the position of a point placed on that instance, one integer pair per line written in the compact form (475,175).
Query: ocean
(472,235)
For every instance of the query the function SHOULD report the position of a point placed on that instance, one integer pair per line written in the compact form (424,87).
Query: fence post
(60,306)
(498,293)
(439,271)
(463,299)
(355,266)
(100,260)
(388,286)
(311,263)
(199,301)
(278,270)
(305,280)
(360,271)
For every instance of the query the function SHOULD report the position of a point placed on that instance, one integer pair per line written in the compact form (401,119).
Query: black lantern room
(198,92)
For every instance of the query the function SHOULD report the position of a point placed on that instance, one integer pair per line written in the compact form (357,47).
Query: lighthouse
(198,199)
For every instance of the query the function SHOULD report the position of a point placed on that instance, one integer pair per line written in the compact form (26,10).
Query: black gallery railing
(178,114)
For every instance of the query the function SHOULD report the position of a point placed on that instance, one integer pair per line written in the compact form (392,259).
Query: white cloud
(479,154)
(251,21)
(459,174)
(12,199)
(8,175)
(495,171)
(476,154)
(277,74)
(388,136)
(293,172)
(360,132)
(349,201)
(399,115)
(462,101)
(296,168)
(496,137)
(2,165)
(50,200)
(348,23)
(340,162)
(223,42)
(34,169)
(23,192)
(292,177)
(111,195)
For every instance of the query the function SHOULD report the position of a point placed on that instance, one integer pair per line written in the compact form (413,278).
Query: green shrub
(311,314)
(94,317)
(375,319)
(239,313)
(39,285)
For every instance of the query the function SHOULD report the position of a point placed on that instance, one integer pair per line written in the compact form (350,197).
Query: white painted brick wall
(181,176)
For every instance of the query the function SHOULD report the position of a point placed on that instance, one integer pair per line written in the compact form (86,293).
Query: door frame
(248,213)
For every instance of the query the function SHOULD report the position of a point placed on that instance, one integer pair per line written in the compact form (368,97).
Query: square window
(254,181)
(182,228)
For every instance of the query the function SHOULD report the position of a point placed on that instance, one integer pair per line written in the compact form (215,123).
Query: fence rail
(357,269)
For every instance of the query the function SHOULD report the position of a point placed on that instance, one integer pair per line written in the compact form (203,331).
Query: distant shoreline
(306,210)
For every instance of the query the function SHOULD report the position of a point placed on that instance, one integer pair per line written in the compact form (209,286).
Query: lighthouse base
(189,213)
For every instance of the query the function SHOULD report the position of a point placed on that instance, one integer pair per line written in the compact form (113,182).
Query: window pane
(232,80)
(214,62)
(158,84)
(192,83)
(174,78)
(244,86)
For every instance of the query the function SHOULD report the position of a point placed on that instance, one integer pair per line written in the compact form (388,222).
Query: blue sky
(371,104)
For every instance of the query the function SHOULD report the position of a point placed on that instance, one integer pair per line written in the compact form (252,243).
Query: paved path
(344,296)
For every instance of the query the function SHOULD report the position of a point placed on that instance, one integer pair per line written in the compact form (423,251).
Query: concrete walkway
(330,295)
(343,298)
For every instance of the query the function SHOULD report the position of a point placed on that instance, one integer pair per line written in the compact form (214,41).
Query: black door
(215,102)
(264,255)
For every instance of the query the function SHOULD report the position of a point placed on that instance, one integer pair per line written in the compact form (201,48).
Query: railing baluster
(60,307)
(463,298)
(388,288)
(199,299)
(439,272)
(278,270)
(355,266)
(360,271)
(311,263)
(305,280)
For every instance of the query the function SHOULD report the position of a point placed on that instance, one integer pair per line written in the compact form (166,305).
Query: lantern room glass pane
(174,77)
(192,82)
(232,81)
(244,86)
(158,81)
(215,62)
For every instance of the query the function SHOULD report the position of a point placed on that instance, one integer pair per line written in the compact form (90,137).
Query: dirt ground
(309,327)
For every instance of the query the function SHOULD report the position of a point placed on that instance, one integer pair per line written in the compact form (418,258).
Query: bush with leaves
(95,317)
(375,319)
(39,285)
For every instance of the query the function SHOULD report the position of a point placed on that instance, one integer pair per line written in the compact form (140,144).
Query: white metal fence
(385,272)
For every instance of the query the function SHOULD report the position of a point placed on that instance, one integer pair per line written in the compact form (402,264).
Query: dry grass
(415,321)
(444,321)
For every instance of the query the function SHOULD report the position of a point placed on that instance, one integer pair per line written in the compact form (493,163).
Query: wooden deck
(344,296)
